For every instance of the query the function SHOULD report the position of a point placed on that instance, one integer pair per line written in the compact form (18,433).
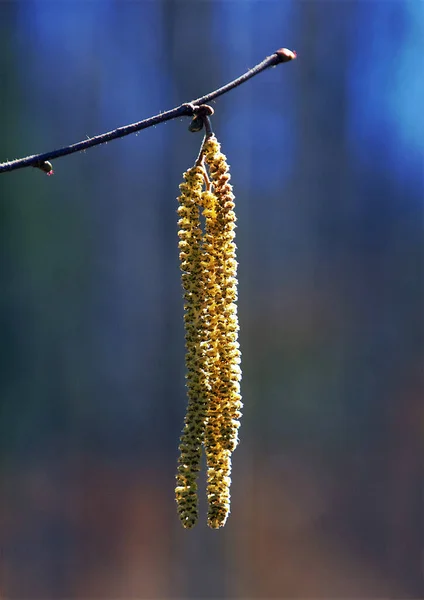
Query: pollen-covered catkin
(224,373)
(209,277)
(190,235)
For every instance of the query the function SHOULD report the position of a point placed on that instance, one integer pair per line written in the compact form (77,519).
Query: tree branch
(187,109)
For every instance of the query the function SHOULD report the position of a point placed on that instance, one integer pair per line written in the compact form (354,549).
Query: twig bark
(187,109)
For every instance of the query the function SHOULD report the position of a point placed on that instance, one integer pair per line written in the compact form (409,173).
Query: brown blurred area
(292,534)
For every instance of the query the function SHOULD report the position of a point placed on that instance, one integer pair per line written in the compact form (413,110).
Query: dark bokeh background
(328,169)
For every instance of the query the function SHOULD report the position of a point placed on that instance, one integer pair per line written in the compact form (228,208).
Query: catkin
(223,412)
(194,426)
(209,276)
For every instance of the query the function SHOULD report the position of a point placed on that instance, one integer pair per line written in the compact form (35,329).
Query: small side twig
(184,110)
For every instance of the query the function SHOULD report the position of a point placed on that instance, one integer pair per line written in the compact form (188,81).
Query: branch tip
(284,54)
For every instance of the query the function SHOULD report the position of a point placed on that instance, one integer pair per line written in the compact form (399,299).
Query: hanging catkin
(209,275)
(191,266)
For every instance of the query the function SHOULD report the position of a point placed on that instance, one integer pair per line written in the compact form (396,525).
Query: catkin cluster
(209,278)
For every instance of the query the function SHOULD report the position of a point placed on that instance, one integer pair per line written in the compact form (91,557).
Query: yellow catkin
(190,235)
(223,356)
(209,277)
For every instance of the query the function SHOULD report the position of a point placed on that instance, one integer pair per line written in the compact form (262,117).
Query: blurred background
(327,159)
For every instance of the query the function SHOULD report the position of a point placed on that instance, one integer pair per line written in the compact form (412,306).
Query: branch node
(45,166)
(201,118)
(189,107)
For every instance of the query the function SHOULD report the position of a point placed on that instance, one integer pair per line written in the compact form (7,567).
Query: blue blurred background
(327,159)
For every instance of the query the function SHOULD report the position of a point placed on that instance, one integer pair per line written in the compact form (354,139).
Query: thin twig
(187,109)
